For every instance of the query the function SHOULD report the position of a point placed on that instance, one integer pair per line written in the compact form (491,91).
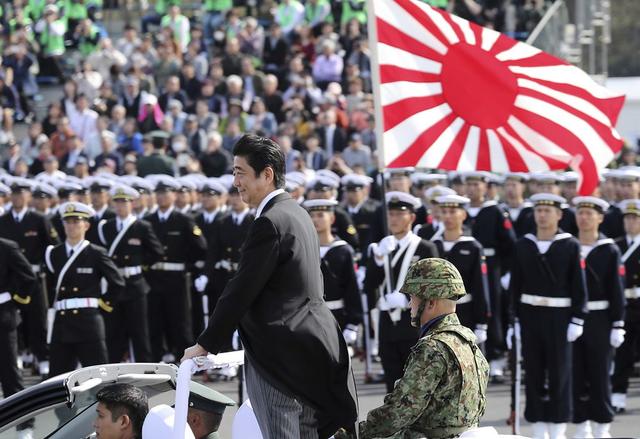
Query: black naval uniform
(340,285)
(493,229)
(568,221)
(592,352)
(343,228)
(363,217)
(613,223)
(170,300)
(522,218)
(138,247)
(430,230)
(554,282)
(92,233)
(32,234)
(627,353)
(466,255)
(223,255)
(78,329)
(16,277)
(209,229)
(395,338)
(56,222)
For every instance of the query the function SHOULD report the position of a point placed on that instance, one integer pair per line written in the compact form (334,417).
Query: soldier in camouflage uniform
(442,391)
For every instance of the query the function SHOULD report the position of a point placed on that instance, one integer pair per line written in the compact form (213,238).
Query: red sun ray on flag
(456,96)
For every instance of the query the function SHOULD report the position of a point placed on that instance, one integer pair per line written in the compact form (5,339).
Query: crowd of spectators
(204,73)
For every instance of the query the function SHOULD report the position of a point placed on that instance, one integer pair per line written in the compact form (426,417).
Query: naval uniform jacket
(16,277)
(33,234)
(138,247)
(613,223)
(603,278)
(363,220)
(557,273)
(82,280)
(521,218)
(466,256)
(288,333)
(340,284)
(92,233)
(493,229)
(631,279)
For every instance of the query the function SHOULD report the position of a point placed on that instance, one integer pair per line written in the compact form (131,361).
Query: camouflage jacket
(442,391)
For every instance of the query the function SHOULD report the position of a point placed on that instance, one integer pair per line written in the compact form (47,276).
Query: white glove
(510,334)
(350,334)
(360,275)
(235,340)
(574,332)
(504,281)
(386,246)
(481,335)
(617,337)
(201,283)
(396,300)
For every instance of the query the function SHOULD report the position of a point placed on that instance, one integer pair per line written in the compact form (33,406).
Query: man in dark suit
(288,333)
(33,233)
(332,138)
(76,268)
(132,244)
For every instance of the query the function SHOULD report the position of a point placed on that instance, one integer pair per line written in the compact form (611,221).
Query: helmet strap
(415,320)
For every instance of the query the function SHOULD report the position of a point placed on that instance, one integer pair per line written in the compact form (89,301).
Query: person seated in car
(120,412)
(206,407)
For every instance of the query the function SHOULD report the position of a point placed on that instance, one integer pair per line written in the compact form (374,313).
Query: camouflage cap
(434,278)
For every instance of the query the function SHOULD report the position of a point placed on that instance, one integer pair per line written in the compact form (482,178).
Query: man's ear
(124,421)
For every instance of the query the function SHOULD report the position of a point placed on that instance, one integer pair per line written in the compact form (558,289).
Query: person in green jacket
(50,31)
(155,15)
(215,12)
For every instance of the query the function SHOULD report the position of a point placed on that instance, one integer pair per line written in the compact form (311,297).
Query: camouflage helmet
(434,278)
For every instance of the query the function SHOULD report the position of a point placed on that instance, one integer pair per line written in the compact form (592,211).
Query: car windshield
(61,421)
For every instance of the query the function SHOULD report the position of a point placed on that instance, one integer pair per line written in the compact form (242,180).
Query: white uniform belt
(489,252)
(130,271)
(79,302)
(464,299)
(334,305)
(5,297)
(551,302)
(168,266)
(35,268)
(632,293)
(597,305)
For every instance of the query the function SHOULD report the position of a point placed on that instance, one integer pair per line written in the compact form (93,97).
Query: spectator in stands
(50,32)
(179,25)
(357,154)
(261,120)
(130,140)
(215,160)
(51,120)
(289,15)
(314,156)
(332,138)
(275,51)
(109,157)
(251,38)
(82,119)
(75,150)
(151,115)
(35,137)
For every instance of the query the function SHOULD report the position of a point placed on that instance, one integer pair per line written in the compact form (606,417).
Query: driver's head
(206,407)
(120,412)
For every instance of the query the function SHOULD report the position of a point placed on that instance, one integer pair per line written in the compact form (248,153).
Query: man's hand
(194,351)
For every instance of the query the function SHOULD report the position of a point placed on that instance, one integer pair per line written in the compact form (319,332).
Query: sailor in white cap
(325,186)
(520,210)
(361,208)
(387,268)
(43,198)
(341,292)
(603,325)
(627,353)
(549,182)
(99,192)
(548,295)
(491,226)
(169,279)
(627,187)
(420,183)
(131,243)
(396,180)
(76,329)
(433,226)
(466,254)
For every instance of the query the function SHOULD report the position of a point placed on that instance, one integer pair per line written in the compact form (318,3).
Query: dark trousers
(65,356)
(592,354)
(34,324)
(495,345)
(393,356)
(169,314)
(128,321)
(626,356)
(10,376)
(546,356)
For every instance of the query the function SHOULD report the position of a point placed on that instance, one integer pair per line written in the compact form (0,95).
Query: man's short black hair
(125,399)
(260,153)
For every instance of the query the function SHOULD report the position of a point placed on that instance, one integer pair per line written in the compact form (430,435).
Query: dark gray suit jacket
(289,334)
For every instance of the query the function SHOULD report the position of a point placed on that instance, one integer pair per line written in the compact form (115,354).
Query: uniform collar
(20,215)
(164,216)
(444,320)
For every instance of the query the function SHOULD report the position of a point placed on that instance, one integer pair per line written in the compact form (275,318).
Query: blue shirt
(430,324)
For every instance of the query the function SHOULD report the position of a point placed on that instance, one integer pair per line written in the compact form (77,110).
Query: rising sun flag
(456,96)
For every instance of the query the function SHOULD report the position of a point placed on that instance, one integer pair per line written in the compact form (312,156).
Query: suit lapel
(280,197)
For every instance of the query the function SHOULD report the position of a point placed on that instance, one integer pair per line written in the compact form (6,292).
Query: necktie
(119,226)
(70,252)
(17,218)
